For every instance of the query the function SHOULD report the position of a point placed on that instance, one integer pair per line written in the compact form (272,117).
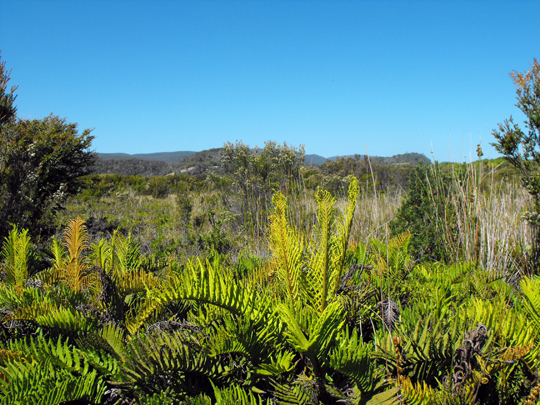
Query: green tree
(40,162)
(8,110)
(255,174)
(522,148)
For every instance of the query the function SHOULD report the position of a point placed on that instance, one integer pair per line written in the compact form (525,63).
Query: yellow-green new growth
(286,246)
(315,272)
(16,254)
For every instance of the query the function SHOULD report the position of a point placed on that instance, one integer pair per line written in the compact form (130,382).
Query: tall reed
(481,220)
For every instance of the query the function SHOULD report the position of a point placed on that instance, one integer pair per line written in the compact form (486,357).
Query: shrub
(426,214)
(522,149)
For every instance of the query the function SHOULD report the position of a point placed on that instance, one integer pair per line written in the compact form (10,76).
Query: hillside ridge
(201,163)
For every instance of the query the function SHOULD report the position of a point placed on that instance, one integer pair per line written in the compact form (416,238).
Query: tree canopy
(40,162)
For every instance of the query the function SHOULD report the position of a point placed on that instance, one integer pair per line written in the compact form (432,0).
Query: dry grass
(487,227)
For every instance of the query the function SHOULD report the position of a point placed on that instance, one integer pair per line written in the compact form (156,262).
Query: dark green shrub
(426,214)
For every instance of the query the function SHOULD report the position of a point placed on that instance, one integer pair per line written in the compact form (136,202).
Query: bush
(426,214)
(522,149)
(40,163)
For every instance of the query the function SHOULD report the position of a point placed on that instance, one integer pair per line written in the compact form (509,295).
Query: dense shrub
(41,161)
(425,212)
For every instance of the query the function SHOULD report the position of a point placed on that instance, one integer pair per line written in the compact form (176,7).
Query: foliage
(424,211)
(165,300)
(8,110)
(383,174)
(40,163)
(254,174)
(320,321)
(522,149)
(131,167)
(16,255)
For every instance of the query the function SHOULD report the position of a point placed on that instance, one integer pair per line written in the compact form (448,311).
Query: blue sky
(336,76)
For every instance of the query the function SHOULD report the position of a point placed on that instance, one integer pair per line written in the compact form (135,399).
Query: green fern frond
(114,336)
(12,299)
(59,319)
(295,334)
(303,391)
(427,351)
(320,338)
(126,252)
(202,283)
(282,363)
(42,383)
(507,327)
(101,252)
(152,354)
(135,281)
(58,252)
(531,290)
(351,357)
(323,332)
(61,353)
(234,394)
(241,336)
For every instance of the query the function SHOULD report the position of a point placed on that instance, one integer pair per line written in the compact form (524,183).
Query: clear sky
(336,76)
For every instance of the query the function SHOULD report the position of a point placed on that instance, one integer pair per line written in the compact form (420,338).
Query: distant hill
(201,163)
(167,157)
(315,159)
(410,158)
(132,167)
(193,163)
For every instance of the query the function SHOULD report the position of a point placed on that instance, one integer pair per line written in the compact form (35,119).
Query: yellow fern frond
(323,257)
(75,271)
(76,239)
(286,246)
(16,254)
(344,233)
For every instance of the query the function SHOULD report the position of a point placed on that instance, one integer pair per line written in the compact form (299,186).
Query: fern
(64,355)
(168,360)
(259,344)
(54,317)
(427,351)
(531,290)
(235,394)
(324,257)
(16,255)
(201,283)
(42,383)
(287,248)
(303,391)
(352,358)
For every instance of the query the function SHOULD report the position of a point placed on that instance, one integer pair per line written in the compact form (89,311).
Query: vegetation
(40,163)
(256,285)
(522,149)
